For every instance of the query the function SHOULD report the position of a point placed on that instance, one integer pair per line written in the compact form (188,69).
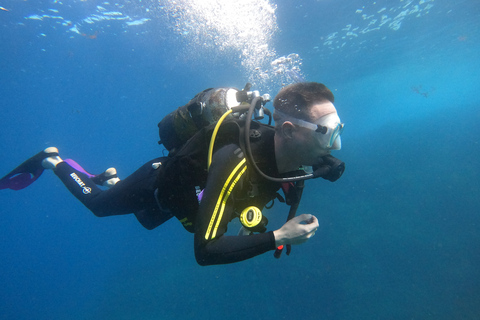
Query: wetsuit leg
(134,194)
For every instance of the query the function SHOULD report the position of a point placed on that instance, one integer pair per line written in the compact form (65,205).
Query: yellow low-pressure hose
(214,135)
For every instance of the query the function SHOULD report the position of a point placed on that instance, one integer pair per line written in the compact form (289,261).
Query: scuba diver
(221,165)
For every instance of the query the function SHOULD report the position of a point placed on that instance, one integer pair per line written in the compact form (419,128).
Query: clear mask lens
(329,129)
(335,133)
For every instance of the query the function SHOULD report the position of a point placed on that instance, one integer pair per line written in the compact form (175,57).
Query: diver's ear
(287,130)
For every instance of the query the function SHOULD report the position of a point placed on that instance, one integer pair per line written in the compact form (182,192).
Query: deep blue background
(399,235)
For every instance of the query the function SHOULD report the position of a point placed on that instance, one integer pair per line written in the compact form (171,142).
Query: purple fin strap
(77,167)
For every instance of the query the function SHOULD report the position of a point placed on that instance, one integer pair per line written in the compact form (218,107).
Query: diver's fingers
(311,234)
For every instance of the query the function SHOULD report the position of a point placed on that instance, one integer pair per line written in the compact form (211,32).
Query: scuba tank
(204,109)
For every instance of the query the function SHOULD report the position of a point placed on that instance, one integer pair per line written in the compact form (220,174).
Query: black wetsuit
(134,194)
(229,186)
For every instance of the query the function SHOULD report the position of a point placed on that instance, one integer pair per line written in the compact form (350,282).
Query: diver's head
(297,99)
(307,121)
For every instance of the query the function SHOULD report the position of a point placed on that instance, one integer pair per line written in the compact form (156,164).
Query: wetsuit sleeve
(217,210)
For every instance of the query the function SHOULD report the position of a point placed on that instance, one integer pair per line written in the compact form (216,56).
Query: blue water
(399,235)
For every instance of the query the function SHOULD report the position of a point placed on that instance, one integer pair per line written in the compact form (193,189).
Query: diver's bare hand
(297,230)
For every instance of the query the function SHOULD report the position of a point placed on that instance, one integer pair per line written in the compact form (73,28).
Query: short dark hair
(297,99)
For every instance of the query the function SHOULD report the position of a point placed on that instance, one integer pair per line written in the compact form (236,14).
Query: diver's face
(316,143)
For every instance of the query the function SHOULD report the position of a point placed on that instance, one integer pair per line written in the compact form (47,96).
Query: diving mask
(327,130)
